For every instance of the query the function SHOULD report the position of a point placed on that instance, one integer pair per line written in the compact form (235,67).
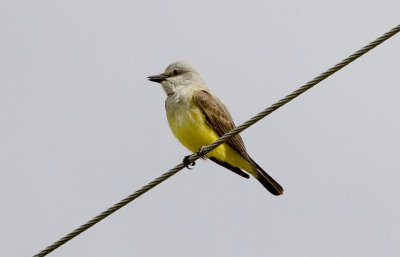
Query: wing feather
(219,119)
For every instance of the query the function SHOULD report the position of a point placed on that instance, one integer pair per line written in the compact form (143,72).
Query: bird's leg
(201,153)
(187,163)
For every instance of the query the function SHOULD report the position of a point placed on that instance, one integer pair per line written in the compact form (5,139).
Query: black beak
(158,78)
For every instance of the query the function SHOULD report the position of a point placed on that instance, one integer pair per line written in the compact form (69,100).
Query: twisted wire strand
(221,140)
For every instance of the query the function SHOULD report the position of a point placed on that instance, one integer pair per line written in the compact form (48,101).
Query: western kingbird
(198,118)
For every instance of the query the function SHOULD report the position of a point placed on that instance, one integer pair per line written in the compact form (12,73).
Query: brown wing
(219,118)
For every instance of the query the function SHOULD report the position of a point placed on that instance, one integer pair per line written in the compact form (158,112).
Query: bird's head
(178,76)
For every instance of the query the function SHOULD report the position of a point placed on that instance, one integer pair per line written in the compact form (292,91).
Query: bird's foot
(187,163)
(201,153)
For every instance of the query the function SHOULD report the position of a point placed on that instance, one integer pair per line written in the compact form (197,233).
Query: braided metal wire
(221,140)
(298,92)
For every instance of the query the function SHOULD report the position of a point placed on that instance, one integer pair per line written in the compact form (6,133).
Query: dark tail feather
(230,167)
(267,181)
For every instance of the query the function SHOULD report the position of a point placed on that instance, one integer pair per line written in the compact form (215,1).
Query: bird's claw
(201,154)
(187,163)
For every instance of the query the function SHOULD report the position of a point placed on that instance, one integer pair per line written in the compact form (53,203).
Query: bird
(197,118)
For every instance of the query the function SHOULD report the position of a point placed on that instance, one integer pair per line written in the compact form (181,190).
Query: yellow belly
(190,128)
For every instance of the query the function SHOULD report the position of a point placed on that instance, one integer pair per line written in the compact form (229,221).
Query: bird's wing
(219,119)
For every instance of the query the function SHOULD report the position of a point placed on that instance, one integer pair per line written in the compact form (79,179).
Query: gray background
(81,128)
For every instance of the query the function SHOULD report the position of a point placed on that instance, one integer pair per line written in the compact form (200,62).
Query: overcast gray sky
(81,128)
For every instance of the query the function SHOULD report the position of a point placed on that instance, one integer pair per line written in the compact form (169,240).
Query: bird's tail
(266,180)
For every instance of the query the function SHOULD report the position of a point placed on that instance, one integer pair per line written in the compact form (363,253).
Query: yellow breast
(189,126)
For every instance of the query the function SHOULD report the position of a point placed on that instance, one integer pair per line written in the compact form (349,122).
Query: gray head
(178,76)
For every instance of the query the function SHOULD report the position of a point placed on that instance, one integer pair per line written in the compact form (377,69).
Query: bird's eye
(176,72)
